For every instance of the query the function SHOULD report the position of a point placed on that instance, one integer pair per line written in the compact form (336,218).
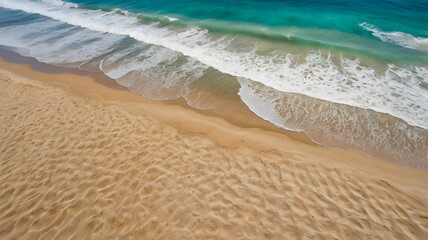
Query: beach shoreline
(254,142)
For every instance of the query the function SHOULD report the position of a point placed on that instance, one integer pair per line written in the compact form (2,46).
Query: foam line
(398,38)
(397,90)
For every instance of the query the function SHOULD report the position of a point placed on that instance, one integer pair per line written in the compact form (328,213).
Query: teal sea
(350,74)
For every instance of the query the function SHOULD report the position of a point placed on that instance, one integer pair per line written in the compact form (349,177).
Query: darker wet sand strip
(84,160)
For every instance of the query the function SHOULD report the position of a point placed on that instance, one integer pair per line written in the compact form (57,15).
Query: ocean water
(350,74)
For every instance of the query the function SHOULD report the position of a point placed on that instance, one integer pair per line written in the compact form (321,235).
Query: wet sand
(84,160)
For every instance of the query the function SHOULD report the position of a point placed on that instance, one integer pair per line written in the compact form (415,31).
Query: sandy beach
(83,160)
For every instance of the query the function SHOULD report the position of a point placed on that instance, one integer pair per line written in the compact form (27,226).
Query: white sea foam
(61,3)
(337,125)
(396,91)
(399,38)
(50,42)
(172,19)
(157,72)
(153,71)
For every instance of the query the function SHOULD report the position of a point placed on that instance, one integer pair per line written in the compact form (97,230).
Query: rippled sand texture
(76,167)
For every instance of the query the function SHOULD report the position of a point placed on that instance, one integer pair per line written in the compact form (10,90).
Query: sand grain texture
(74,166)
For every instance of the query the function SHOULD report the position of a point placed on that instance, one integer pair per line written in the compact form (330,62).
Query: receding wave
(396,90)
(338,125)
(399,38)
(163,58)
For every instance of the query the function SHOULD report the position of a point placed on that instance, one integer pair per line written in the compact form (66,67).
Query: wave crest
(402,39)
(392,89)
(61,3)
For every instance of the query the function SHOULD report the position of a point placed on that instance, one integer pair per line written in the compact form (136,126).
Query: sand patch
(74,166)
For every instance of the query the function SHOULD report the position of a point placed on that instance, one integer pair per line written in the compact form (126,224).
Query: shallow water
(349,74)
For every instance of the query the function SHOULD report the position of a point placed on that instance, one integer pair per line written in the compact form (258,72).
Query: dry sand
(79,160)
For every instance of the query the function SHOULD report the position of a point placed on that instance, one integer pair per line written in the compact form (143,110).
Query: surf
(402,39)
(354,100)
(276,71)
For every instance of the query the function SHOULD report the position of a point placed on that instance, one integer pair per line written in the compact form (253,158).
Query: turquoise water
(350,74)
(409,17)
(345,16)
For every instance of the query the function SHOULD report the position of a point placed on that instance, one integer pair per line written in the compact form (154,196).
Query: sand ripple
(77,167)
